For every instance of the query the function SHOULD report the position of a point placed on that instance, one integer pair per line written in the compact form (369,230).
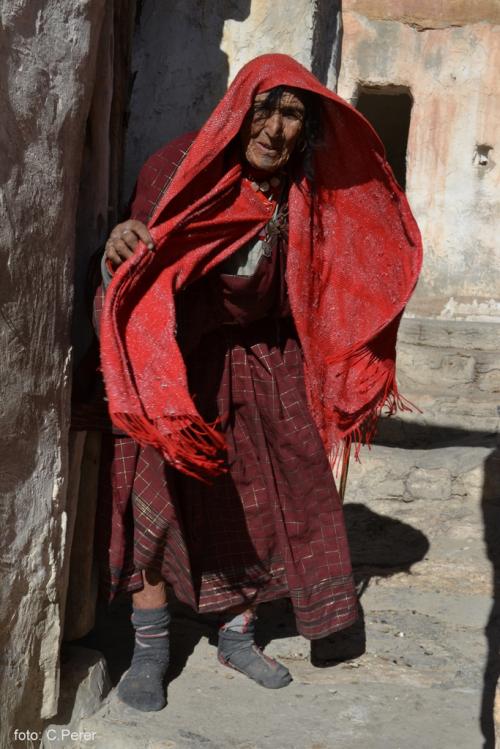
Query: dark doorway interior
(388,109)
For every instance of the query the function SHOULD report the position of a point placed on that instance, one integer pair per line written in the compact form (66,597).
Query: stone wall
(446,55)
(47,72)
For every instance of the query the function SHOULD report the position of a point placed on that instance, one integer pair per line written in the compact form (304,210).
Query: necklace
(277,226)
(265,185)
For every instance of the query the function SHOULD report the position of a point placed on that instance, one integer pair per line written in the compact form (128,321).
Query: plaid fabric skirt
(271,527)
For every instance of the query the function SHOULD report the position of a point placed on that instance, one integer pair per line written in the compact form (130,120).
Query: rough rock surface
(47,72)
(84,684)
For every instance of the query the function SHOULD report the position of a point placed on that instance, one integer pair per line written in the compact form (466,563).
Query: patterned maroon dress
(272,526)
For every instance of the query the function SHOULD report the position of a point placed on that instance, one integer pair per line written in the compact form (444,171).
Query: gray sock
(238,650)
(241,622)
(142,686)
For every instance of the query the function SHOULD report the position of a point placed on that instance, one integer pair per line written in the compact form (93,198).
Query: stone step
(470,372)
(439,474)
(450,370)
(436,356)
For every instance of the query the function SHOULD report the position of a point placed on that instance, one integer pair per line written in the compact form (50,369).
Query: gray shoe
(142,687)
(238,650)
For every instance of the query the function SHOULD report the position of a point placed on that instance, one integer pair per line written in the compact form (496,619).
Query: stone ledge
(459,334)
(407,475)
(429,369)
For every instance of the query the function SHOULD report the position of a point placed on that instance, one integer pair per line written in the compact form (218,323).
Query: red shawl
(353,260)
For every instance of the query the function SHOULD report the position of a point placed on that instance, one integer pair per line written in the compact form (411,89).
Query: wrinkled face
(270,132)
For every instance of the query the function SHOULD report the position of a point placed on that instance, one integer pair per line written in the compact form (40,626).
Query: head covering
(353,259)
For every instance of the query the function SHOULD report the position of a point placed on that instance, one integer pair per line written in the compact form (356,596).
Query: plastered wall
(449,61)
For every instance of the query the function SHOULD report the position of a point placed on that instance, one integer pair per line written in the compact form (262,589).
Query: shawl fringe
(363,430)
(187,442)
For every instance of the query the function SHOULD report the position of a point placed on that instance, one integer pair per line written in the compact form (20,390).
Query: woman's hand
(123,241)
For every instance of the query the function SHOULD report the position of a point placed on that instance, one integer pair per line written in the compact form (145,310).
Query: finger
(120,229)
(122,249)
(130,238)
(113,256)
(142,232)
(131,232)
(118,233)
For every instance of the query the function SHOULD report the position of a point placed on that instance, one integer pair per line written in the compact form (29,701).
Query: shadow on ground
(394,432)
(491,520)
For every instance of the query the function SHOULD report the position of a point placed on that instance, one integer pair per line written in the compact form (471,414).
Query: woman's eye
(293,114)
(261,113)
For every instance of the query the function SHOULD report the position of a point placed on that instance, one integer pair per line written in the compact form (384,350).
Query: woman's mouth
(267,149)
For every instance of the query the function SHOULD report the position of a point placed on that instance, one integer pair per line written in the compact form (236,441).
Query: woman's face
(270,133)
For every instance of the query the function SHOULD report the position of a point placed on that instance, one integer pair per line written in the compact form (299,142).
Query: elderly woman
(247,336)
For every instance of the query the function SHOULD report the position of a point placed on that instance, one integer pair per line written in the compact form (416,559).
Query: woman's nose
(274,124)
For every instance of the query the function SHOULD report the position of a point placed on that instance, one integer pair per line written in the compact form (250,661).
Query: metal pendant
(267,249)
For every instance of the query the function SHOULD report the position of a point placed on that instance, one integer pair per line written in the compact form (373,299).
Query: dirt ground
(417,672)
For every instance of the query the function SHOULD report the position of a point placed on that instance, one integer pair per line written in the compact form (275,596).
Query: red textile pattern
(353,261)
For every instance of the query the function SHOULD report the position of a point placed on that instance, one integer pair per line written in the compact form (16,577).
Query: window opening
(388,109)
